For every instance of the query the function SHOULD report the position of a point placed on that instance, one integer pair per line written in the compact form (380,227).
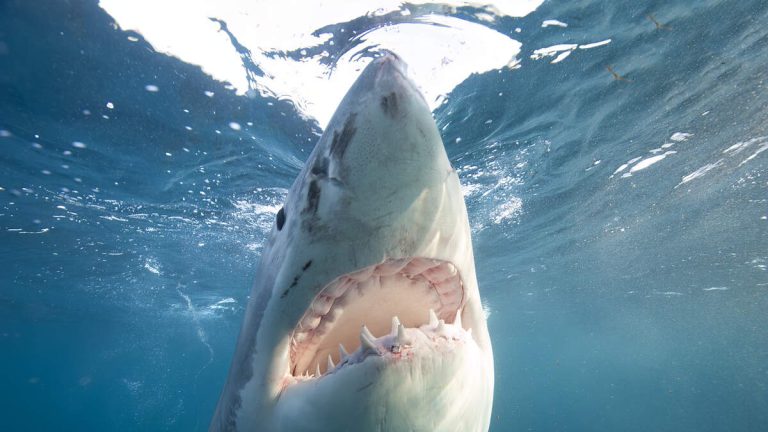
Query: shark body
(365,314)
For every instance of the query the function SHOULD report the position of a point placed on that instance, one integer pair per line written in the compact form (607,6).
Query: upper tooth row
(432,270)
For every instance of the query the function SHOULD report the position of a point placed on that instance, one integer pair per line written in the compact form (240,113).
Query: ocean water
(620,221)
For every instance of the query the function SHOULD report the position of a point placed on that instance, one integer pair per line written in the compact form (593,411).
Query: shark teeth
(444,293)
(398,335)
(395,344)
(401,338)
(367,339)
(457,319)
(363,275)
(391,267)
(343,354)
(395,325)
(440,327)
(432,318)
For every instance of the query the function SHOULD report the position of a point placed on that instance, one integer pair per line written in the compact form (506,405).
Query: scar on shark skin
(313,198)
(296,279)
(342,140)
(389,104)
(365,387)
(616,76)
(659,25)
(293,284)
(320,168)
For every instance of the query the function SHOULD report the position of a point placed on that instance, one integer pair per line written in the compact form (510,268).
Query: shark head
(366,314)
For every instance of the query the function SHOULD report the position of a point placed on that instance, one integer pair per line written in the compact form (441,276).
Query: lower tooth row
(399,338)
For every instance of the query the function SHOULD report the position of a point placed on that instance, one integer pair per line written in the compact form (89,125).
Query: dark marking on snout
(306,266)
(313,198)
(320,167)
(342,139)
(389,104)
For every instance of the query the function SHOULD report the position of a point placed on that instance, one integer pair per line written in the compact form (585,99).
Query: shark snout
(390,63)
(391,73)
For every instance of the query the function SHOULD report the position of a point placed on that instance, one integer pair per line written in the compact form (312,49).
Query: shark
(365,314)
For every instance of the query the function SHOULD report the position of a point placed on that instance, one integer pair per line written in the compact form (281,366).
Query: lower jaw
(436,383)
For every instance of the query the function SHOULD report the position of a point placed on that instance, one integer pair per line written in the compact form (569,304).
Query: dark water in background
(617,303)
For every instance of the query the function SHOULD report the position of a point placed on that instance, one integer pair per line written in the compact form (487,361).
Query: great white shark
(365,314)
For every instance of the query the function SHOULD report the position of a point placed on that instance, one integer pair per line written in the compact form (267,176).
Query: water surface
(620,216)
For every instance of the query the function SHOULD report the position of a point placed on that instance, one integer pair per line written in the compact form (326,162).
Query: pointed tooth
(367,340)
(343,354)
(317,369)
(457,320)
(330,363)
(440,273)
(418,265)
(363,275)
(300,336)
(322,304)
(432,318)
(339,287)
(391,267)
(367,333)
(395,325)
(402,339)
(309,322)
(367,344)
(440,326)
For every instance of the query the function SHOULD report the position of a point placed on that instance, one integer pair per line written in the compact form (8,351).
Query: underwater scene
(613,157)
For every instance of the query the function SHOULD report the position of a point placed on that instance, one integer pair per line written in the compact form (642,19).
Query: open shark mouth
(408,301)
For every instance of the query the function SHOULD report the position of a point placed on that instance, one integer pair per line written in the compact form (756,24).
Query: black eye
(280,218)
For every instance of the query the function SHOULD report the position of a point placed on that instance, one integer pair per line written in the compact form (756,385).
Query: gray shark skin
(365,314)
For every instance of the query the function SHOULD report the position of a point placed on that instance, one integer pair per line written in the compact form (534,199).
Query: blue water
(128,242)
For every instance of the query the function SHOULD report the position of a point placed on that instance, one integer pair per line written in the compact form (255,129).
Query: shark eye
(280,218)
